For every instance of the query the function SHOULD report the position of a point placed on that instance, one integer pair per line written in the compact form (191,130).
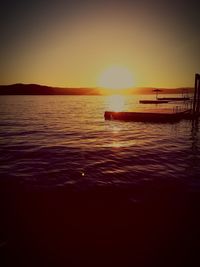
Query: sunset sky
(74,43)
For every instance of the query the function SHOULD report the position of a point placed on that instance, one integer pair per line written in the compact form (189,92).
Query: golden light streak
(116,103)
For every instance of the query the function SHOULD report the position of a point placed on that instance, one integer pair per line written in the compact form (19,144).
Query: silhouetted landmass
(149,90)
(35,89)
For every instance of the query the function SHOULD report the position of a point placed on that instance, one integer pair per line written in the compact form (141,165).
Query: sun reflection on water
(116,144)
(116,129)
(116,103)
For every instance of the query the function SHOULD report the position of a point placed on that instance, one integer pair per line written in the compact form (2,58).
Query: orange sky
(73,45)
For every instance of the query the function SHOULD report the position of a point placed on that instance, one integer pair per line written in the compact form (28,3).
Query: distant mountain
(150,90)
(35,89)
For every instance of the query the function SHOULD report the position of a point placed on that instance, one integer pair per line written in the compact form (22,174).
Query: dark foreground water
(77,190)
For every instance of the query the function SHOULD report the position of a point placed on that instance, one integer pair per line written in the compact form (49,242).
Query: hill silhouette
(35,89)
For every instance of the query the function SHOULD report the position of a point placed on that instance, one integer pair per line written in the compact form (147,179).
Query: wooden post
(198,95)
(195,94)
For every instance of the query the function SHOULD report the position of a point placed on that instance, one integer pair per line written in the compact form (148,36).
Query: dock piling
(198,94)
(196,100)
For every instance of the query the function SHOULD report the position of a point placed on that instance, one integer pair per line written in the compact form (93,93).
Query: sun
(116,77)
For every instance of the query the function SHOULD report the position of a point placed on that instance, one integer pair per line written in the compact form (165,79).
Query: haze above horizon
(80,43)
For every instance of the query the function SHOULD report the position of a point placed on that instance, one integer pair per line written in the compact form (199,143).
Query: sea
(78,189)
(60,140)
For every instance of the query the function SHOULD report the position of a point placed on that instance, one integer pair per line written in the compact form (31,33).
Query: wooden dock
(169,117)
(153,101)
(161,115)
(173,98)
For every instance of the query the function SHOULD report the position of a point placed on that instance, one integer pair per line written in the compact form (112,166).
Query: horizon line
(96,87)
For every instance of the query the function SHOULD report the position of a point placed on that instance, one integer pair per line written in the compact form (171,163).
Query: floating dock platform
(173,98)
(168,117)
(153,101)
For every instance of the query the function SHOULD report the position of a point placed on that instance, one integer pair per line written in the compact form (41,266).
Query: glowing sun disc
(116,78)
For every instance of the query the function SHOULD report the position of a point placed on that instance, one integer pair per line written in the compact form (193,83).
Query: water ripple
(67,141)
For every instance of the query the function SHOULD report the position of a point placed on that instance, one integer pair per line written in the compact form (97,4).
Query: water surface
(76,190)
(59,140)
